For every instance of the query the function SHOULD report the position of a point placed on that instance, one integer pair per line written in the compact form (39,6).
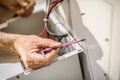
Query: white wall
(102,19)
(97,19)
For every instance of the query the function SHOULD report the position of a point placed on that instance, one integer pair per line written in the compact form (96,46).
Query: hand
(29,48)
(21,7)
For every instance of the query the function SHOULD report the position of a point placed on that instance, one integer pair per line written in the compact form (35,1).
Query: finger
(35,50)
(49,43)
(20,11)
(22,3)
(32,65)
(38,58)
(36,66)
(27,13)
(29,8)
(30,5)
(34,60)
(50,57)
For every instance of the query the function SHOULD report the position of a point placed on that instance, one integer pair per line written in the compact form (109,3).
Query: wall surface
(101,18)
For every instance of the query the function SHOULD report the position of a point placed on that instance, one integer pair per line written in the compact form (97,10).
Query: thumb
(22,3)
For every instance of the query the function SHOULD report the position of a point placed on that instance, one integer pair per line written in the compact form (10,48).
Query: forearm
(7,42)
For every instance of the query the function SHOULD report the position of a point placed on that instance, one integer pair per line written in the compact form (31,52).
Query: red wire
(44,31)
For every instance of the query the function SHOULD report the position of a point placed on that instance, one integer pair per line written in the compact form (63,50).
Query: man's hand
(21,7)
(29,48)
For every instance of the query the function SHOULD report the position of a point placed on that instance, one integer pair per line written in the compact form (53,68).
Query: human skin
(28,47)
(20,7)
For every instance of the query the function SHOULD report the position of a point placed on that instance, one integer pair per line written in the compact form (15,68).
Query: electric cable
(52,4)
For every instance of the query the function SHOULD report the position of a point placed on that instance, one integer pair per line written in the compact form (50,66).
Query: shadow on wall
(90,68)
(91,55)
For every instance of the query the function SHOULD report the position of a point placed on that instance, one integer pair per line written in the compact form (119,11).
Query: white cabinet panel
(98,18)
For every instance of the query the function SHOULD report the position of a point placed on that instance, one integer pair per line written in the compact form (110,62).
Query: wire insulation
(52,5)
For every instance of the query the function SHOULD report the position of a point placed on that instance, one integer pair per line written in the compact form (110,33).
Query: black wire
(59,37)
(52,9)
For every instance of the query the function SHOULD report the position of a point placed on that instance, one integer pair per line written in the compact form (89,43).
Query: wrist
(7,42)
(13,44)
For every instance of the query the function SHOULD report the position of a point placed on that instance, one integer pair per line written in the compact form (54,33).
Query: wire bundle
(52,5)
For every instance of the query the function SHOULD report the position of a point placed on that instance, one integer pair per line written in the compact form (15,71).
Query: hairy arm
(7,42)
(28,47)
